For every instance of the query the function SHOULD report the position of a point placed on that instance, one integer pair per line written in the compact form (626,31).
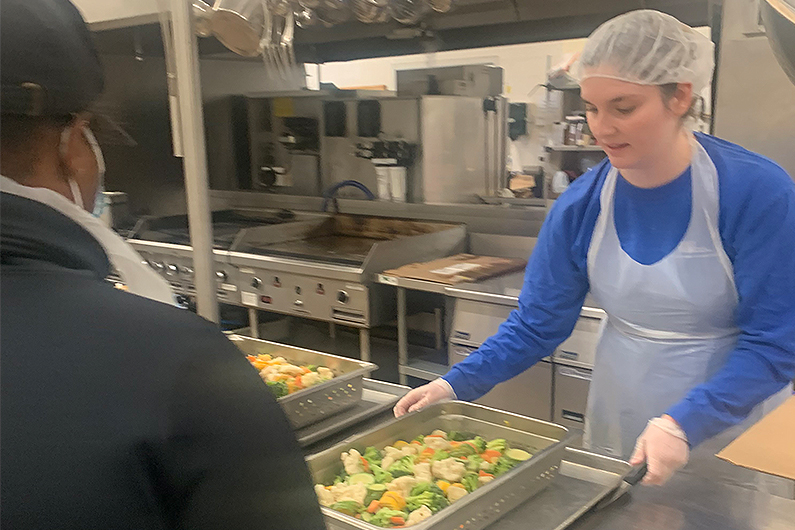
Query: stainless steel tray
(546,441)
(316,403)
(584,479)
(377,397)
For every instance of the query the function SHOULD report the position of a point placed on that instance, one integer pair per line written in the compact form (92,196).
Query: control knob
(342,297)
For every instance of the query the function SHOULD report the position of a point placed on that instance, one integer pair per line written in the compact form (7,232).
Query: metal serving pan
(318,402)
(545,441)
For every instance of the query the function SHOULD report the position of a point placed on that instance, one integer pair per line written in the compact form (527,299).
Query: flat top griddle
(341,239)
(226,225)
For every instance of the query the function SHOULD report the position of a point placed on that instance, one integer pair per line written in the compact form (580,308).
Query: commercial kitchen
(359,185)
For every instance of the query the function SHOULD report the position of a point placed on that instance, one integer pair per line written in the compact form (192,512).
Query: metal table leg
(402,335)
(253,322)
(364,344)
(438,330)
(332,330)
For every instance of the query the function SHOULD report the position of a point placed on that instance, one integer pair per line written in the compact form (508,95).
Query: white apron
(139,278)
(670,327)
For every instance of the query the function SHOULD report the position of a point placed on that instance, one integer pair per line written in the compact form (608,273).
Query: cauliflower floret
(437,444)
(411,449)
(386,462)
(268,370)
(439,432)
(290,369)
(403,485)
(485,466)
(423,472)
(455,492)
(392,455)
(310,379)
(420,514)
(324,496)
(354,492)
(325,373)
(448,469)
(352,462)
(279,360)
(273,376)
(484,480)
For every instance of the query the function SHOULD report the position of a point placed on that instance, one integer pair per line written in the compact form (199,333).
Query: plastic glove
(420,397)
(663,446)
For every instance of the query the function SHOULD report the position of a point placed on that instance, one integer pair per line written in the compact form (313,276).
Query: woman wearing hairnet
(688,244)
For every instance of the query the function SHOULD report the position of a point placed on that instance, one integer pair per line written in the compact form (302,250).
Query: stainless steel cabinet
(571,395)
(529,393)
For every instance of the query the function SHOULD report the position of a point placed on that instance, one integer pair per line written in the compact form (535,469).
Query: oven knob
(172,270)
(256,283)
(187,271)
(342,297)
(221,275)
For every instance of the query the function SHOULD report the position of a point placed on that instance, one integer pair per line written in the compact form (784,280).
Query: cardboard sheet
(458,269)
(769,445)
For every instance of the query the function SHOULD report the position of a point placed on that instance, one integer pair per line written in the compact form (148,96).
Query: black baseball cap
(49,64)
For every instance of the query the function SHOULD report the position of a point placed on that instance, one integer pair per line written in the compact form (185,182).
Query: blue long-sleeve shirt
(757,229)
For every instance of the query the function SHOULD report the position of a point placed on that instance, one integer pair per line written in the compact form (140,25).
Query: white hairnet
(649,48)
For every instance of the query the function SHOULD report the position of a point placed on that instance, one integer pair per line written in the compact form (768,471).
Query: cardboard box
(458,269)
(769,445)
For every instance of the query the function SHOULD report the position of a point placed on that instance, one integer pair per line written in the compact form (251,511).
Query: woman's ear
(682,99)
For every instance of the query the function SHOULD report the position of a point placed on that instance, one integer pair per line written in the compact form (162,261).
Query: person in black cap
(117,411)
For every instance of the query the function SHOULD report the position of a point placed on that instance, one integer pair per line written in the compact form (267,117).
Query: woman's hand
(663,446)
(423,396)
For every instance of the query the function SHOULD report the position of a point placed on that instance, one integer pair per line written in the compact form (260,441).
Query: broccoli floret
(419,438)
(279,388)
(382,517)
(404,466)
(312,367)
(480,443)
(470,481)
(347,507)
(434,501)
(440,455)
(473,463)
(422,487)
(373,456)
(381,476)
(503,465)
(498,444)
(465,449)
(456,436)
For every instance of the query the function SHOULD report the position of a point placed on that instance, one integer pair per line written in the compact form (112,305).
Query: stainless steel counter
(686,503)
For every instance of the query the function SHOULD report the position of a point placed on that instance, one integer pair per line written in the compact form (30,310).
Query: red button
(266,299)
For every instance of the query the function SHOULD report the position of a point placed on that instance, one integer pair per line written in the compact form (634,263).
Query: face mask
(99,199)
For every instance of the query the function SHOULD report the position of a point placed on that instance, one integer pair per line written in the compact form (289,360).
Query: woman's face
(632,122)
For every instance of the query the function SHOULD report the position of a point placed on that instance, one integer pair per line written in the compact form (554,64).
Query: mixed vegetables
(284,378)
(408,482)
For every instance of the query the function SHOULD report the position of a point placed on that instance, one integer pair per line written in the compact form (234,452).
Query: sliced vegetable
(470,482)
(400,444)
(399,520)
(443,485)
(491,455)
(361,478)
(392,499)
(374,506)
(383,517)
(518,455)
(498,444)
(374,492)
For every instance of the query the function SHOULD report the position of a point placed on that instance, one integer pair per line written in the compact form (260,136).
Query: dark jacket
(120,412)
